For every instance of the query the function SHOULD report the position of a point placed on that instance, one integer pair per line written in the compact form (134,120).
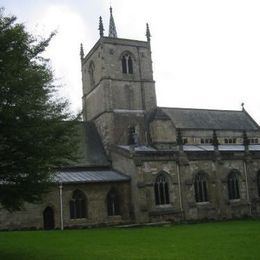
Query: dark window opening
(161,190)
(78,207)
(113,208)
(184,140)
(133,138)
(130,65)
(200,185)
(233,186)
(48,219)
(124,67)
(258,183)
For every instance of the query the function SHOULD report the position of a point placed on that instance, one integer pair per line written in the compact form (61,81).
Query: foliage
(222,240)
(36,129)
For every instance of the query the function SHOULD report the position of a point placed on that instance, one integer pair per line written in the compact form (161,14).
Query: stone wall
(31,217)
(181,174)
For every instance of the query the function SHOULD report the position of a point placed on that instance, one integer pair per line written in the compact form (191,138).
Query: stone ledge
(165,211)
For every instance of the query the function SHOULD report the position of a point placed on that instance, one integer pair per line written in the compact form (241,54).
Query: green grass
(220,240)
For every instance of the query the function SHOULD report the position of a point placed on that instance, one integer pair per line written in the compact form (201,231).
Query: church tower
(118,86)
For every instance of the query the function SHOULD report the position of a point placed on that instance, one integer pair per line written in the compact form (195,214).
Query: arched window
(127,64)
(78,204)
(200,185)
(113,208)
(91,70)
(233,186)
(161,190)
(258,183)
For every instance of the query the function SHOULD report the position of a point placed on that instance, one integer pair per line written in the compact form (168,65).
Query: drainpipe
(247,191)
(179,186)
(61,207)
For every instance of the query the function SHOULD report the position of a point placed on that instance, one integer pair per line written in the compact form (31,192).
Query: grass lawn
(222,240)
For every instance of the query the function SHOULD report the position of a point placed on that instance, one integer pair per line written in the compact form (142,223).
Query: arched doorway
(48,218)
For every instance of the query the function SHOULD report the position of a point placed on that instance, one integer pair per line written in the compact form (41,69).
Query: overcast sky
(206,53)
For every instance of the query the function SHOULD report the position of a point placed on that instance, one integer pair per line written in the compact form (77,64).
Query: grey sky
(205,53)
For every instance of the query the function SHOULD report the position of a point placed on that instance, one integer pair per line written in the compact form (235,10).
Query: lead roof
(89,176)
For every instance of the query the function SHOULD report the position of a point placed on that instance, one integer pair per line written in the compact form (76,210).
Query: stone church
(141,163)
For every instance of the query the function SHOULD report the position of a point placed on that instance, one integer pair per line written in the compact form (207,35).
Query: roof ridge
(201,109)
(256,124)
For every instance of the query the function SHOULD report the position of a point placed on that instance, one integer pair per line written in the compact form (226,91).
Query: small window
(202,141)
(113,203)
(161,190)
(184,140)
(233,186)
(133,137)
(200,185)
(127,64)
(78,207)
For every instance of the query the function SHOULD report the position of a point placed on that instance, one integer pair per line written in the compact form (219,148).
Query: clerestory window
(230,140)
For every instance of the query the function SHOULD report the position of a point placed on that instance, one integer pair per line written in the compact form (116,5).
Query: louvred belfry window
(127,64)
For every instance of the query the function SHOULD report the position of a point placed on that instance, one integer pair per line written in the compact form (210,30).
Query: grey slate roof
(91,152)
(187,118)
(89,176)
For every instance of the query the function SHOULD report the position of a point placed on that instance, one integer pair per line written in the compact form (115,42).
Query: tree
(36,130)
